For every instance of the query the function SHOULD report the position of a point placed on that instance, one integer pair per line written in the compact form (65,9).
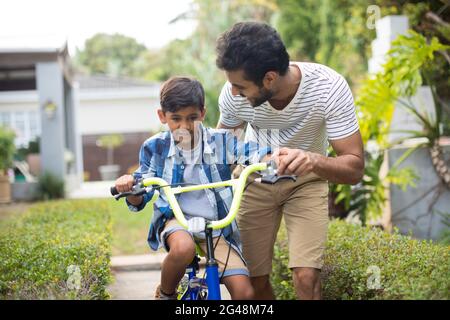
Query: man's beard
(264,95)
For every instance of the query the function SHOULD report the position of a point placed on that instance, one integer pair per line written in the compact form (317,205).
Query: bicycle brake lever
(136,192)
(273,178)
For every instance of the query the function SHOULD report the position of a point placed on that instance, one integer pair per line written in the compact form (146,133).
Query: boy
(190,153)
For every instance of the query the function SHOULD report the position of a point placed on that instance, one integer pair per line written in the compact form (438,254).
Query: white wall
(118,114)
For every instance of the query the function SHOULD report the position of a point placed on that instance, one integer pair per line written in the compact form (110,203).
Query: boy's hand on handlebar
(124,183)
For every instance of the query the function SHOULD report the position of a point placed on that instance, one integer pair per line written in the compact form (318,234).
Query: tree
(333,33)
(196,55)
(109,54)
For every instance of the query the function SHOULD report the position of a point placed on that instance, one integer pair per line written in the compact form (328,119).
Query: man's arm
(227,110)
(220,125)
(346,168)
(238,131)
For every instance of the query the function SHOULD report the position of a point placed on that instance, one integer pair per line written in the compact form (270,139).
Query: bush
(49,187)
(37,250)
(409,269)
(7,148)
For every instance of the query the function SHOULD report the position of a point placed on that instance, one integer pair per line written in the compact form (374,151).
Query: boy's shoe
(159,295)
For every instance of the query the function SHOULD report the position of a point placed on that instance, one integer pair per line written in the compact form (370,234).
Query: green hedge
(408,269)
(37,249)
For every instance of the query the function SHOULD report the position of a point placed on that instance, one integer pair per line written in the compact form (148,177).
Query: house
(105,105)
(41,97)
(37,99)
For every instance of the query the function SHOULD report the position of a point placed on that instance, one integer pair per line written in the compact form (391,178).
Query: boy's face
(183,123)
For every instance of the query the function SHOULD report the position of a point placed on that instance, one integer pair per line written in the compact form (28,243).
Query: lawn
(8,211)
(130,229)
(56,250)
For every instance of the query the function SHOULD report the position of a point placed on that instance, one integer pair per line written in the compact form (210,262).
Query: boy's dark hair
(254,47)
(181,92)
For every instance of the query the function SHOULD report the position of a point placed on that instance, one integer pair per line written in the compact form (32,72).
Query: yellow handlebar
(238,188)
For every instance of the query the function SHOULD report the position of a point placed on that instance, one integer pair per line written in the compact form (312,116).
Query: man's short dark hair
(181,92)
(254,47)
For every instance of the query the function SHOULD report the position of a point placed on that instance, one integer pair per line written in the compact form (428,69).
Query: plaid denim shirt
(159,157)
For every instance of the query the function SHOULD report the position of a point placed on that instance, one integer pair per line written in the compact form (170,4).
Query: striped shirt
(321,110)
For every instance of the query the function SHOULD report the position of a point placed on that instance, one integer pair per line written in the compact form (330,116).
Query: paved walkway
(92,189)
(136,277)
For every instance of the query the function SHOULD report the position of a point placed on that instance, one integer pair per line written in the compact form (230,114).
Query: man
(300,108)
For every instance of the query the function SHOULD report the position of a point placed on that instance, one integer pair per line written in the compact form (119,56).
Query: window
(26,124)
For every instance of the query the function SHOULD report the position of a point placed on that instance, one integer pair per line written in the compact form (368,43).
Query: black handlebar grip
(113,191)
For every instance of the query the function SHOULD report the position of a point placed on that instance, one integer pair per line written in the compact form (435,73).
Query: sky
(41,21)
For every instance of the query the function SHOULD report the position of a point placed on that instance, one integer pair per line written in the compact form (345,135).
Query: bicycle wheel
(193,289)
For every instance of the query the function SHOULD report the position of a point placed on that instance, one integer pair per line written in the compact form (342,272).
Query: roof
(19,54)
(34,44)
(100,81)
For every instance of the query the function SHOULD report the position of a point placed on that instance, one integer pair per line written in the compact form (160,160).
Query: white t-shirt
(194,203)
(321,110)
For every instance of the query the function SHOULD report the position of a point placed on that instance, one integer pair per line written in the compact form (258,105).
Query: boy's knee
(182,251)
(241,290)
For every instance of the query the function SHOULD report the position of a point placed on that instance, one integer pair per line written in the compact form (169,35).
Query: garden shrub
(37,250)
(49,187)
(408,268)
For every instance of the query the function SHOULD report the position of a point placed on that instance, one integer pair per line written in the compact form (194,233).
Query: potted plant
(7,150)
(110,171)
(34,157)
(402,75)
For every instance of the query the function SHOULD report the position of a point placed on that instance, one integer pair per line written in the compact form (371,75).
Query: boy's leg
(239,287)
(181,252)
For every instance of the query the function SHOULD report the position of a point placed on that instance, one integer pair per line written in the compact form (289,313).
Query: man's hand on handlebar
(271,176)
(294,161)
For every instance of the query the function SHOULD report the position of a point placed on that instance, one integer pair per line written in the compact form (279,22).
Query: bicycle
(193,287)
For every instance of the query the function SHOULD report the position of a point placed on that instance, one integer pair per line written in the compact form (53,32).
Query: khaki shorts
(235,264)
(304,207)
